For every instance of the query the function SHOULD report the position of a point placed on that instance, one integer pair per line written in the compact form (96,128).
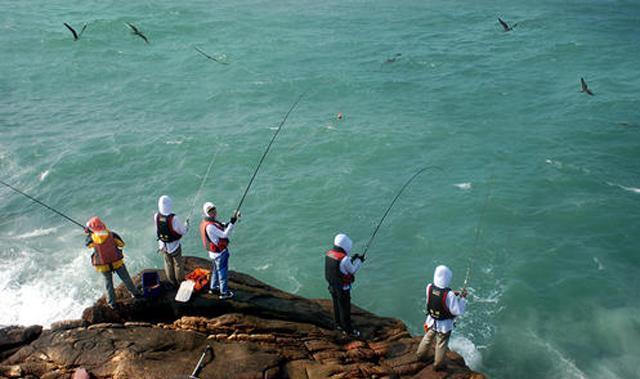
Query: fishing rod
(477,236)
(393,202)
(267,150)
(44,205)
(204,179)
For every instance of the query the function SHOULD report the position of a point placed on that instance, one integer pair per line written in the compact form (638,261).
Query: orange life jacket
(200,276)
(106,253)
(206,242)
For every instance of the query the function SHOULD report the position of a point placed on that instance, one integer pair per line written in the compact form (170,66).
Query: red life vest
(164,228)
(106,253)
(332,272)
(206,242)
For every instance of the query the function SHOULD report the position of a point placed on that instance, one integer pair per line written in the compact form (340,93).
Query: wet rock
(262,333)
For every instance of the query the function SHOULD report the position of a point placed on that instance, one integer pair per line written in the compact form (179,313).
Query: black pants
(341,307)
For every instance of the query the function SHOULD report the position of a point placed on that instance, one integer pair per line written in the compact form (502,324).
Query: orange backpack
(200,276)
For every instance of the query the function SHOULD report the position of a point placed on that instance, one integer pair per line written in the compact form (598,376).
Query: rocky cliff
(261,333)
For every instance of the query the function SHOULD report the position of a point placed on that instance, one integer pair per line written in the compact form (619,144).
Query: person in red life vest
(107,257)
(170,230)
(215,238)
(339,271)
(443,306)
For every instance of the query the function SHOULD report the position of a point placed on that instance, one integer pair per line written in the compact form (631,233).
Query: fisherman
(107,257)
(443,306)
(170,230)
(339,271)
(215,238)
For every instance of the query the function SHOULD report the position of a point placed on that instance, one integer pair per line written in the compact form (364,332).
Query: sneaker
(355,333)
(226,295)
(213,290)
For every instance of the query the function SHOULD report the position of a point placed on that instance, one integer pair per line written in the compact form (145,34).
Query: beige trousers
(442,341)
(174,266)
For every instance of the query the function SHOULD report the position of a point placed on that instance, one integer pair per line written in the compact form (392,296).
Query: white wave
(567,367)
(36,233)
(463,186)
(34,295)
(174,142)
(468,350)
(43,175)
(630,189)
(263,267)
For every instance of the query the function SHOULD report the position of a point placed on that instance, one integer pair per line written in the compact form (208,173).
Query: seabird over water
(137,32)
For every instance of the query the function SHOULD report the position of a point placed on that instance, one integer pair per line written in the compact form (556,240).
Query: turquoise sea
(539,192)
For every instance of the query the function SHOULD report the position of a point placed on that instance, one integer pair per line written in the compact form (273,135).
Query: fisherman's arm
(456,303)
(118,240)
(349,266)
(214,232)
(179,227)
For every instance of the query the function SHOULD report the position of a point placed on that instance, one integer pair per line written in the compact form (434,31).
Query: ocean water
(539,192)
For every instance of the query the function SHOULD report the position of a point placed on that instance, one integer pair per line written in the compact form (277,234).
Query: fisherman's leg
(425,343)
(178,264)
(336,306)
(223,268)
(442,341)
(168,268)
(213,283)
(126,279)
(345,309)
(111,293)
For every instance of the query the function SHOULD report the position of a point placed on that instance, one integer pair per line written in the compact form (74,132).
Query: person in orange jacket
(107,257)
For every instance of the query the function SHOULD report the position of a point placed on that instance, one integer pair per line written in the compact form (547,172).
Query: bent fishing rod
(366,248)
(267,150)
(44,205)
(204,179)
(477,236)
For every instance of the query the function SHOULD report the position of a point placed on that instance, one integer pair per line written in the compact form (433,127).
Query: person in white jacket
(170,230)
(443,306)
(215,238)
(339,271)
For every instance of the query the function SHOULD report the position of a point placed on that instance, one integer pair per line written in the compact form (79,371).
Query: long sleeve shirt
(179,227)
(215,234)
(349,268)
(456,305)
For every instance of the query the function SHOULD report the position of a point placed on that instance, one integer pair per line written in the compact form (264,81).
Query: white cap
(343,241)
(442,276)
(165,205)
(207,207)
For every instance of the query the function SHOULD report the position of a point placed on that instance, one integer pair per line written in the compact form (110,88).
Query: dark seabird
(393,59)
(584,88)
(209,56)
(73,31)
(137,32)
(506,26)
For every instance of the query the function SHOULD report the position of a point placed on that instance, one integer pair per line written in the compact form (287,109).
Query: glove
(235,217)
(357,256)
(462,293)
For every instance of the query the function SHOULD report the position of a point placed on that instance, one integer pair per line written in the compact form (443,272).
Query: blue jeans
(126,279)
(219,268)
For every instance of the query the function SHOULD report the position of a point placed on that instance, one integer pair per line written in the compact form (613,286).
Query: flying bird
(210,57)
(393,59)
(584,88)
(506,26)
(138,33)
(73,31)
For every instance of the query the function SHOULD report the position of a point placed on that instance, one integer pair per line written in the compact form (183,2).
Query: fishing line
(366,248)
(43,204)
(204,179)
(267,150)
(477,236)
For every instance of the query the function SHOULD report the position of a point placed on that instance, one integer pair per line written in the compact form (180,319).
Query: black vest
(164,228)
(436,303)
(332,272)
